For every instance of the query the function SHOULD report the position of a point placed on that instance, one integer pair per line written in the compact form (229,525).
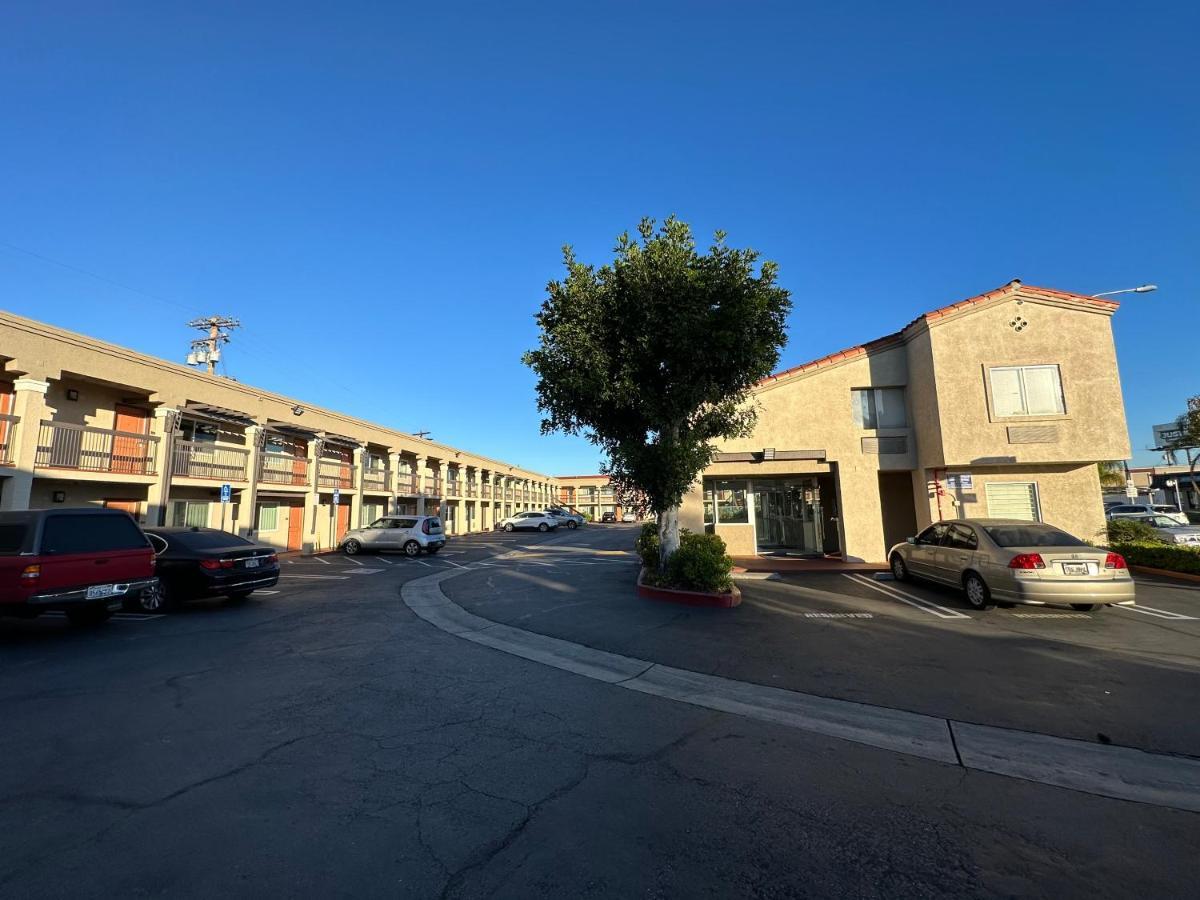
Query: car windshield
(1161,522)
(208,540)
(1031,535)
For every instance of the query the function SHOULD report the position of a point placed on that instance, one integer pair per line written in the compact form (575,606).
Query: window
(200,432)
(88,534)
(731,503)
(1027,391)
(12,538)
(708,506)
(879,408)
(960,537)
(190,513)
(933,535)
(210,539)
(1012,500)
(268,516)
(1031,536)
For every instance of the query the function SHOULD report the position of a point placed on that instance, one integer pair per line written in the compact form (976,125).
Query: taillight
(425,527)
(30,574)
(1027,561)
(153,561)
(210,564)
(273,559)
(1114,561)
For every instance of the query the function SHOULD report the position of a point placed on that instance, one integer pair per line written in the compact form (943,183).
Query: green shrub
(700,563)
(648,547)
(1161,556)
(1131,531)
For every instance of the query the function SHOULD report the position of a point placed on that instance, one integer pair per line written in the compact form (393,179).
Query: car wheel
(978,595)
(508,527)
(899,569)
(352,547)
(155,599)
(543,527)
(1085,607)
(238,596)
(412,548)
(87,616)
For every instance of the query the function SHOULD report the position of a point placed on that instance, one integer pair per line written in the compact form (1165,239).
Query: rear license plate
(1075,568)
(99,591)
(252,564)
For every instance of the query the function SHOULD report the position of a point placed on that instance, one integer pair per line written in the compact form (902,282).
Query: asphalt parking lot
(321,740)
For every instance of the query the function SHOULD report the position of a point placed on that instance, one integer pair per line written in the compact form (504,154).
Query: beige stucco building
(1000,406)
(85,422)
(590,495)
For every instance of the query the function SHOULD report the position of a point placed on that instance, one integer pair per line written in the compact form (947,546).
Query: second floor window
(1027,391)
(879,408)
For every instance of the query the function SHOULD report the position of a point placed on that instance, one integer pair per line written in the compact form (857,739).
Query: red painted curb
(689,598)
(1165,573)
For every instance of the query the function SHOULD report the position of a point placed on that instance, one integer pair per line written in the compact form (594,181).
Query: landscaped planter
(725,600)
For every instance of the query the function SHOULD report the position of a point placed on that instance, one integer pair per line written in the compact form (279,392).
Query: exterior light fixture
(1140,289)
(72,394)
(297,410)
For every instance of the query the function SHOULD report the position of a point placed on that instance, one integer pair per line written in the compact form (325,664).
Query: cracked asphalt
(323,741)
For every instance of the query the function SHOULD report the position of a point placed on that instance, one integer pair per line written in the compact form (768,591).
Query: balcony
(453,488)
(378,480)
(8,428)
(283,468)
(472,489)
(192,459)
(432,486)
(87,449)
(406,484)
(334,473)
(486,492)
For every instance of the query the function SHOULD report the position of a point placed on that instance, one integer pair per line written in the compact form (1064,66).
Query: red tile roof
(1013,287)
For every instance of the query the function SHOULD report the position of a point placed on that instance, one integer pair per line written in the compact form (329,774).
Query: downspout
(937,490)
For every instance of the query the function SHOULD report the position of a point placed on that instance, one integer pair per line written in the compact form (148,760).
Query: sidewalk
(785,564)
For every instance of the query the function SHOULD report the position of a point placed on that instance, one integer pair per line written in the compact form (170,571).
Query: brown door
(131,454)
(343,521)
(295,539)
(299,463)
(133,507)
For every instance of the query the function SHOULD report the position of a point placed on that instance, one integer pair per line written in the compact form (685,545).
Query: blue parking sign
(337,496)
(226,493)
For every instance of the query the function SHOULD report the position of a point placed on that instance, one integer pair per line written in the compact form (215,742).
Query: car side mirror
(910,540)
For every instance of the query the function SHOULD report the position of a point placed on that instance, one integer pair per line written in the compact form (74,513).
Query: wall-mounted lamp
(297,410)
(72,394)
(59,496)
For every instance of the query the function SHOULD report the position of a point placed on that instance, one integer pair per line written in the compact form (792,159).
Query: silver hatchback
(1014,561)
(412,534)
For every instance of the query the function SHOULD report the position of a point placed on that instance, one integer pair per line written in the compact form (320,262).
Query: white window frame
(258,517)
(1037,497)
(185,504)
(1021,370)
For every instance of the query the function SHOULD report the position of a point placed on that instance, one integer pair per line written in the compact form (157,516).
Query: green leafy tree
(1186,440)
(1112,474)
(653,357)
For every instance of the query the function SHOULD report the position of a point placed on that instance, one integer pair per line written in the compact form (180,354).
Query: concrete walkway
(1110,771)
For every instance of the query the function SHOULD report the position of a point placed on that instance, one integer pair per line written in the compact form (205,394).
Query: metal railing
(433,486)
(453,488)
(65,446)
(376,480)
(334,473)
(472,489)
(199,459)
(283,468)
(406,483)
(8,431)
(486,492)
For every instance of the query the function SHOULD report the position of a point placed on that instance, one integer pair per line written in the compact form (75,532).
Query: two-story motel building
(83,422)
(1000,406)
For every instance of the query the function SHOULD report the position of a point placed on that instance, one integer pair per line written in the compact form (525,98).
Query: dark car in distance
(84,562)
(609,517)
(206,562)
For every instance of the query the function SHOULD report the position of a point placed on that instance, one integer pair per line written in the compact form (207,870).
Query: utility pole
(422,434)
(205,350)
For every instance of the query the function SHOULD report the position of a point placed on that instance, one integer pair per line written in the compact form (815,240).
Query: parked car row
(89,563)
(1113,510)
(1014,561)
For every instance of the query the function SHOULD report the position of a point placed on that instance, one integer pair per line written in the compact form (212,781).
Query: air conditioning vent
(1032,434)
(888,446)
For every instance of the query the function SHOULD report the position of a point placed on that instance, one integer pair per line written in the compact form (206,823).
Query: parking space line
(1158,613)
(318,559)
(351,559)
(904,597)
(322,577)
(383,559)
(421,562)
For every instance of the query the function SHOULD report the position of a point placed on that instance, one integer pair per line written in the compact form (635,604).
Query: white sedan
(529,521)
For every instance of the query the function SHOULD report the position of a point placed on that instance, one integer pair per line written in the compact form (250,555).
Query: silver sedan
(1013,561)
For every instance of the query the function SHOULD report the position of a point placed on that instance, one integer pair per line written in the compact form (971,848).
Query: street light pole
(1140,289)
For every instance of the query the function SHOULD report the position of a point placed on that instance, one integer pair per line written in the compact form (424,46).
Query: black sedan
(205,562)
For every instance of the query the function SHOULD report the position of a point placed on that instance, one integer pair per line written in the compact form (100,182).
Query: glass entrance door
(787,516)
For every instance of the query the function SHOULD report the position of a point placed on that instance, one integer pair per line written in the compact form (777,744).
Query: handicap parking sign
(226,493)
(337,496)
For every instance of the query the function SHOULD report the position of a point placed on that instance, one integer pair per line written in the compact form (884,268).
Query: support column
(256,439)
(29,406)
(444,477)
(158,495)
(314,537)
(421,471)
(394,479)
(356,496)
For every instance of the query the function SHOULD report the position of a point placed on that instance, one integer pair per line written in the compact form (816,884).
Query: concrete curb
(1122,773)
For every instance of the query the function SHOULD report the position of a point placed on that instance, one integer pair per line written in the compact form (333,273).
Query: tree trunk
(668,535)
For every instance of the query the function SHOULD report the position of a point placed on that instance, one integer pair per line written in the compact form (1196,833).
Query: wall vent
(1032,434)
(885,445)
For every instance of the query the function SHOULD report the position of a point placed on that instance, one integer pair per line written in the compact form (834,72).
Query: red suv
(82,561)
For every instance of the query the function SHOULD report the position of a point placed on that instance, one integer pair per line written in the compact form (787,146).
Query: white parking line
(383,559)
(421,562)
(323,577)
(451,562)
(318,559)
(1158,613)
(351,559)
(904,597)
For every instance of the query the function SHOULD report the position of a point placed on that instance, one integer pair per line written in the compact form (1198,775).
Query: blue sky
(380,190)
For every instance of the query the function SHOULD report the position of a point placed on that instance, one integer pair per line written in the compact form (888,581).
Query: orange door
(295,539)
(133,507)
(131,454)
(343,521)
(6,407)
